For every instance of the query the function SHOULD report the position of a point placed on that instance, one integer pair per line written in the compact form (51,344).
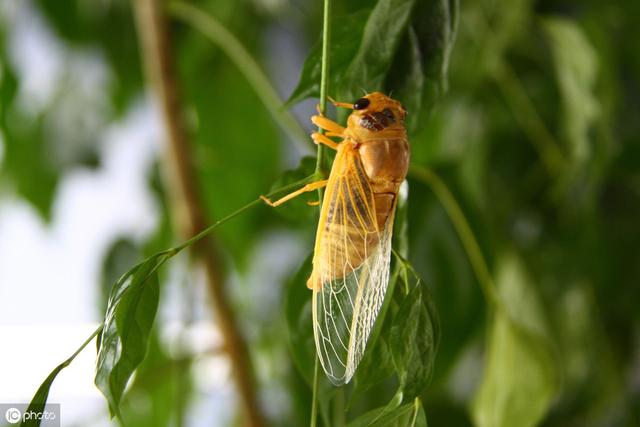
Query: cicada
(353,241)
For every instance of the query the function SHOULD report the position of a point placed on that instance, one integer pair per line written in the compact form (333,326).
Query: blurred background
(535,131)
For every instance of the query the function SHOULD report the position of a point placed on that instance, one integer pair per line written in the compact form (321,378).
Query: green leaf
(39,399)
(346,35)
(363,47)
(299,321)
(400,46)
(130,315)
(414,337)
(520,376)
(576,65)
(393,414)
(383,31)
(419,71)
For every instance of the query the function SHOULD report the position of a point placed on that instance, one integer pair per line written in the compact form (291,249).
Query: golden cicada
(353,241)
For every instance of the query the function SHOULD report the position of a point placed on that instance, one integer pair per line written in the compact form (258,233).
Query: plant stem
(314,396)
(84,344)
(527,116)
(463,229)
(157,57)
(324,84)
(324,81)
(246,64)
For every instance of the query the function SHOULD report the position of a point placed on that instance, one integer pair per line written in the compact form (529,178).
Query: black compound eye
(361,104)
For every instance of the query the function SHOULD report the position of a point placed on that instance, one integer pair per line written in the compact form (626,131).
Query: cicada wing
(353,274)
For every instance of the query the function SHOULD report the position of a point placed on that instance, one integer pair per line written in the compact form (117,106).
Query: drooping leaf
(39,400)
(414,337)
(393,414)
(130,315)
(576,65)
(520,376)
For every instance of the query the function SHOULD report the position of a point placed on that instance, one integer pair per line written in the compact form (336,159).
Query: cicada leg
(328,125)
(309,187)
(319,138)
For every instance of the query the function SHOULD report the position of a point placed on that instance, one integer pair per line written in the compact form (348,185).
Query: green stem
(84,344)
(233,48)
(416,405)
(208,230)
(314,396)
(527,116)
(463,229)
(324,84)
(324,81)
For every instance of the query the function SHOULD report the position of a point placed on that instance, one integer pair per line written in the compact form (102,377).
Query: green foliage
(520,377)
(399,46)
(122,344)
(414,340)
(530,121)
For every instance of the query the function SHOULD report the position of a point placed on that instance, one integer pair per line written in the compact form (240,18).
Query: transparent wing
(352,266)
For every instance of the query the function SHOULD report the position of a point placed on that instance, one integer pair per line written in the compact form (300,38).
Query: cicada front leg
(319,138)
(309,187)
(329,125)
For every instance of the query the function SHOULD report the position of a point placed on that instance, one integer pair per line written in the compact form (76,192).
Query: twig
(189,215)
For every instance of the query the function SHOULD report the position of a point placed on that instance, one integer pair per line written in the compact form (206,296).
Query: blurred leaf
(299,321)
(414,336)
(419,72)
(401,46)
(371,62)
(130,315)
(394,414)
(163,384)
(520,376)
(109,27)
(28,162)
(576,66)
(297,211)
(437,254)
(237,149)
(346,35)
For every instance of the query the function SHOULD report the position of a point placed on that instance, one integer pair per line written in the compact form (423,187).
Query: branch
(181,179)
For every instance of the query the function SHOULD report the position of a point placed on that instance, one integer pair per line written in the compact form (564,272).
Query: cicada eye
(361,104)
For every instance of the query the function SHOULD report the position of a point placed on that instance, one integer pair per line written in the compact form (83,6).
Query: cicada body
(352,251)
(353,242)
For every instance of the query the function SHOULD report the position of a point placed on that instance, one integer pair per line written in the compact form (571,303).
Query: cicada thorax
(377,121)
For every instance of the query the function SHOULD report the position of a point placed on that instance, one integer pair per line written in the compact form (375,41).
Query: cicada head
(376,112)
